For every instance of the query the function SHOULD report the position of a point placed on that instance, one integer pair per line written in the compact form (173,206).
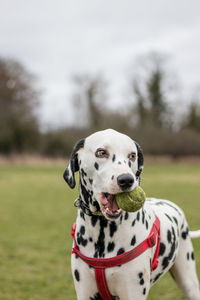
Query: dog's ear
(73,165)
(140,160)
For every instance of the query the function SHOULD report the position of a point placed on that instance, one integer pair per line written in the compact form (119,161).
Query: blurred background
(67,69)
(70,68)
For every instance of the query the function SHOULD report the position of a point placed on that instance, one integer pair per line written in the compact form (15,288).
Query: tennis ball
(131,201)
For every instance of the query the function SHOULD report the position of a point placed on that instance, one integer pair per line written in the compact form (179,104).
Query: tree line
(149,115)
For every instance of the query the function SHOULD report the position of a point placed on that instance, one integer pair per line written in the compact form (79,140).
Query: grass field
(36,217)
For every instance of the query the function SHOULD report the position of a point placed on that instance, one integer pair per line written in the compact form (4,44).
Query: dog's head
(109,163)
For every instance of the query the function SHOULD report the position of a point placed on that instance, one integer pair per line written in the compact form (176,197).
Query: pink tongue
(104,200)
(112,204)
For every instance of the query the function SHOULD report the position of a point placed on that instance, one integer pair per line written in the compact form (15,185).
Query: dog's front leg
(84,279)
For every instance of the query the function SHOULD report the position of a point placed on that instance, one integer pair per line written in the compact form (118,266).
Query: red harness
(100,264)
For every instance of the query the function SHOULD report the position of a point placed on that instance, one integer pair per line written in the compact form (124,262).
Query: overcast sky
(58,38)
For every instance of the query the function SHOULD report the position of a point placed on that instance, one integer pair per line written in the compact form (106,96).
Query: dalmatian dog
(110,163)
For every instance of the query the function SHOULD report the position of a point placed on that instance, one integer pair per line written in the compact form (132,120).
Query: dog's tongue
(110,202)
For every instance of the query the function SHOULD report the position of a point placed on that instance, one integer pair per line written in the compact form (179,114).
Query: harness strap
(102,284)
(100,264)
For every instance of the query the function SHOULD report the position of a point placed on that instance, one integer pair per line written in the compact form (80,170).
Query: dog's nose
(125,181)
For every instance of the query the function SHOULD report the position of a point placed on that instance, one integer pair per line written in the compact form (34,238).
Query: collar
(85,208)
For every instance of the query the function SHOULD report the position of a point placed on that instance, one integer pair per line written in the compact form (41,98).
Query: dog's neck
(87,201)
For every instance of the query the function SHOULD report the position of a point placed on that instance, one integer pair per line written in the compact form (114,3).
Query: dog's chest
(97,237)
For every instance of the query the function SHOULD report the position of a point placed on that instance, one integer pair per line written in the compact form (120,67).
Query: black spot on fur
(144,291)
(111,246)
(120,251)
(143,215)
(113,158)
(138,216)
(129,164)
(96,297)
(157,277)
(119,163)
(169,236)
(162,249)
(192,255)
(169,258)
(82,230)
(113,228)
(147,225)
(90,180)
(90,239)
(94,220)
(81,240)
(96,166)
(133,241)
(96,204)
(140,275)
(126,216)
(77,275)
(175,220)
(188,255)
(141,281)
(82,215)
(83,173)
(168,217)
(185,234)
(112,177)
(133,223)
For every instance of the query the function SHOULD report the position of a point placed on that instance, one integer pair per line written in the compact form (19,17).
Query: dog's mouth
(109,206)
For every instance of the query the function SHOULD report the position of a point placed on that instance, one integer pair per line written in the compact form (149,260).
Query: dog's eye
(132,156)
(101,153)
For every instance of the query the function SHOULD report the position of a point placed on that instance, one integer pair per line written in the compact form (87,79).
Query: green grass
(36,217)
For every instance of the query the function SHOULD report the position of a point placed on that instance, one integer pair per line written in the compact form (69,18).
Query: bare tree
(90,99)
(18,100)
(149,91)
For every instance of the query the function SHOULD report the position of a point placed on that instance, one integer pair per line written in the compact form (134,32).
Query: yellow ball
(131,201)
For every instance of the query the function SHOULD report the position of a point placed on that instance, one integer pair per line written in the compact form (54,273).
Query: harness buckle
(151,240)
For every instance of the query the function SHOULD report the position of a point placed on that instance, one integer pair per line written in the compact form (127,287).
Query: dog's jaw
(109,207)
